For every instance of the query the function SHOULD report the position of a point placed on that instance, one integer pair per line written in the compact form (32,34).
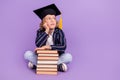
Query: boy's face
(50,21)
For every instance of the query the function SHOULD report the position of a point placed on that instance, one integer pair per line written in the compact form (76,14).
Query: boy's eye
(49,18)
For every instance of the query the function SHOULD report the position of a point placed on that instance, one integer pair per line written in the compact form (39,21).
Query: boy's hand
(46,28)
(43,48)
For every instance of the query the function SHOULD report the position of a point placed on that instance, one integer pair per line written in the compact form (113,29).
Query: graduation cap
(50,9)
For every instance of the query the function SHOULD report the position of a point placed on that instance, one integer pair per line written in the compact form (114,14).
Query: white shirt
(50,39)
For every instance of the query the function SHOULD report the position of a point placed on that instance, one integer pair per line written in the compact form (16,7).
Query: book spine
(47,58)
(47,62)
(46,66)
(47,54)
(46,69)
(45,72)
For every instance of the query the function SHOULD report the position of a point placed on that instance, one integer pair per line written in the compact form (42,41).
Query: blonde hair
(42,23)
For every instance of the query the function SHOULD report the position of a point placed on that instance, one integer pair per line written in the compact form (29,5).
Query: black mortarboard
(50,9)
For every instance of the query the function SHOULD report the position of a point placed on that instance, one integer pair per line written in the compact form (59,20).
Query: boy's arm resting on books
(47,47)
(62,45)
(41,38)
(58,47)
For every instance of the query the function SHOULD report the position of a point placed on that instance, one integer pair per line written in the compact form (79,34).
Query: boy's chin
(51,28)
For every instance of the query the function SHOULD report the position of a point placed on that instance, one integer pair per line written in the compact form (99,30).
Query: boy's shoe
(31,65)
(62,67)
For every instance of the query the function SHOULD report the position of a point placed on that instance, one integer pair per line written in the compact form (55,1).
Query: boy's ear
(60,22)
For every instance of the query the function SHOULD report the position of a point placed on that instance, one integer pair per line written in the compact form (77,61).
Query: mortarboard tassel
(60,22)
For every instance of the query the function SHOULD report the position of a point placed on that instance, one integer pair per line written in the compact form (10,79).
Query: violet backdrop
(92,29)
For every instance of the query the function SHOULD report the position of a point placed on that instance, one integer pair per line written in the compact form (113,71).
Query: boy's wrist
(50,47)
(47,31)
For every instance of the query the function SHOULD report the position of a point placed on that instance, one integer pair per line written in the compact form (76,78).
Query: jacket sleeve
(41,38)
(62,42)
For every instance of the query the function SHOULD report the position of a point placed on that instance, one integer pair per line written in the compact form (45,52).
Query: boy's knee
(68,56)
(28,54)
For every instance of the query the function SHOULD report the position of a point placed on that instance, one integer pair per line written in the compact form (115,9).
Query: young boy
(49,37)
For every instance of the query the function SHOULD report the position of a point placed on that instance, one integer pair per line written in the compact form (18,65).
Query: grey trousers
(64,58)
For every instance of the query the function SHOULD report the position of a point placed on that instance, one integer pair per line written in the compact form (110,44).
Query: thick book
(46,69)
(46,72)
(46,66)
(47,62)
(46,51)
(48,54)
(47,58)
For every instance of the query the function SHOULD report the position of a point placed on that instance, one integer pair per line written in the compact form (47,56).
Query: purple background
(92,29)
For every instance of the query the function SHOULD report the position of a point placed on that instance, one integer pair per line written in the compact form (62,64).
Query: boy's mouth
(52,24)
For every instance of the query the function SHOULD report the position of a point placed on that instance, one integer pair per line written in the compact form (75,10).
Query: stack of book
(47,62)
